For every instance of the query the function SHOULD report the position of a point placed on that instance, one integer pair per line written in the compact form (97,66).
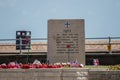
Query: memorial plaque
(66,41)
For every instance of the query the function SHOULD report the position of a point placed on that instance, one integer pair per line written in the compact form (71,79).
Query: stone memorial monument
(66,40)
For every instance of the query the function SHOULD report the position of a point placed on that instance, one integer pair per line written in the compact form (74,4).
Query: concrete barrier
(59,74)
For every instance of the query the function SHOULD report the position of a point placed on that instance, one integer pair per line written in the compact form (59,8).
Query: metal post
(27,56)
(110,51)
(68,46)
(28,45)
(20,45)
(68,55)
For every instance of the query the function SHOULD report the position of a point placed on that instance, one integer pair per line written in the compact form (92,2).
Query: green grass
(96,66)
(110,67)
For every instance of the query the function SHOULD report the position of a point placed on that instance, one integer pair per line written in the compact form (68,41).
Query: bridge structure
(106,49)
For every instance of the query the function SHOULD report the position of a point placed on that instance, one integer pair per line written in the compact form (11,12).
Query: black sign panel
(23,40)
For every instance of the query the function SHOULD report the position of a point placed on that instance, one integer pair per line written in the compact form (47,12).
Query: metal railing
(107,41)
(109,44)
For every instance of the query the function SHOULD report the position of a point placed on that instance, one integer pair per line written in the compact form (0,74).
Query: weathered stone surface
(58,74)
(66,40)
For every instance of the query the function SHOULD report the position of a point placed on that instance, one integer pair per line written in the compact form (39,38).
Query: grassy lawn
(92,66)
(110,67)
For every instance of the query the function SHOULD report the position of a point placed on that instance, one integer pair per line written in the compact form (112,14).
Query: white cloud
(7,3)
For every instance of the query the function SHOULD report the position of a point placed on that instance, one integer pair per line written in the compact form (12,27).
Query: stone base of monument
(59,74)
(44,74)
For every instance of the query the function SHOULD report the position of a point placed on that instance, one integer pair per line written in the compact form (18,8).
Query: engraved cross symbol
(67,24)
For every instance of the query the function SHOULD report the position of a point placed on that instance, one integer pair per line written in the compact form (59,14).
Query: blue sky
(102,17)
